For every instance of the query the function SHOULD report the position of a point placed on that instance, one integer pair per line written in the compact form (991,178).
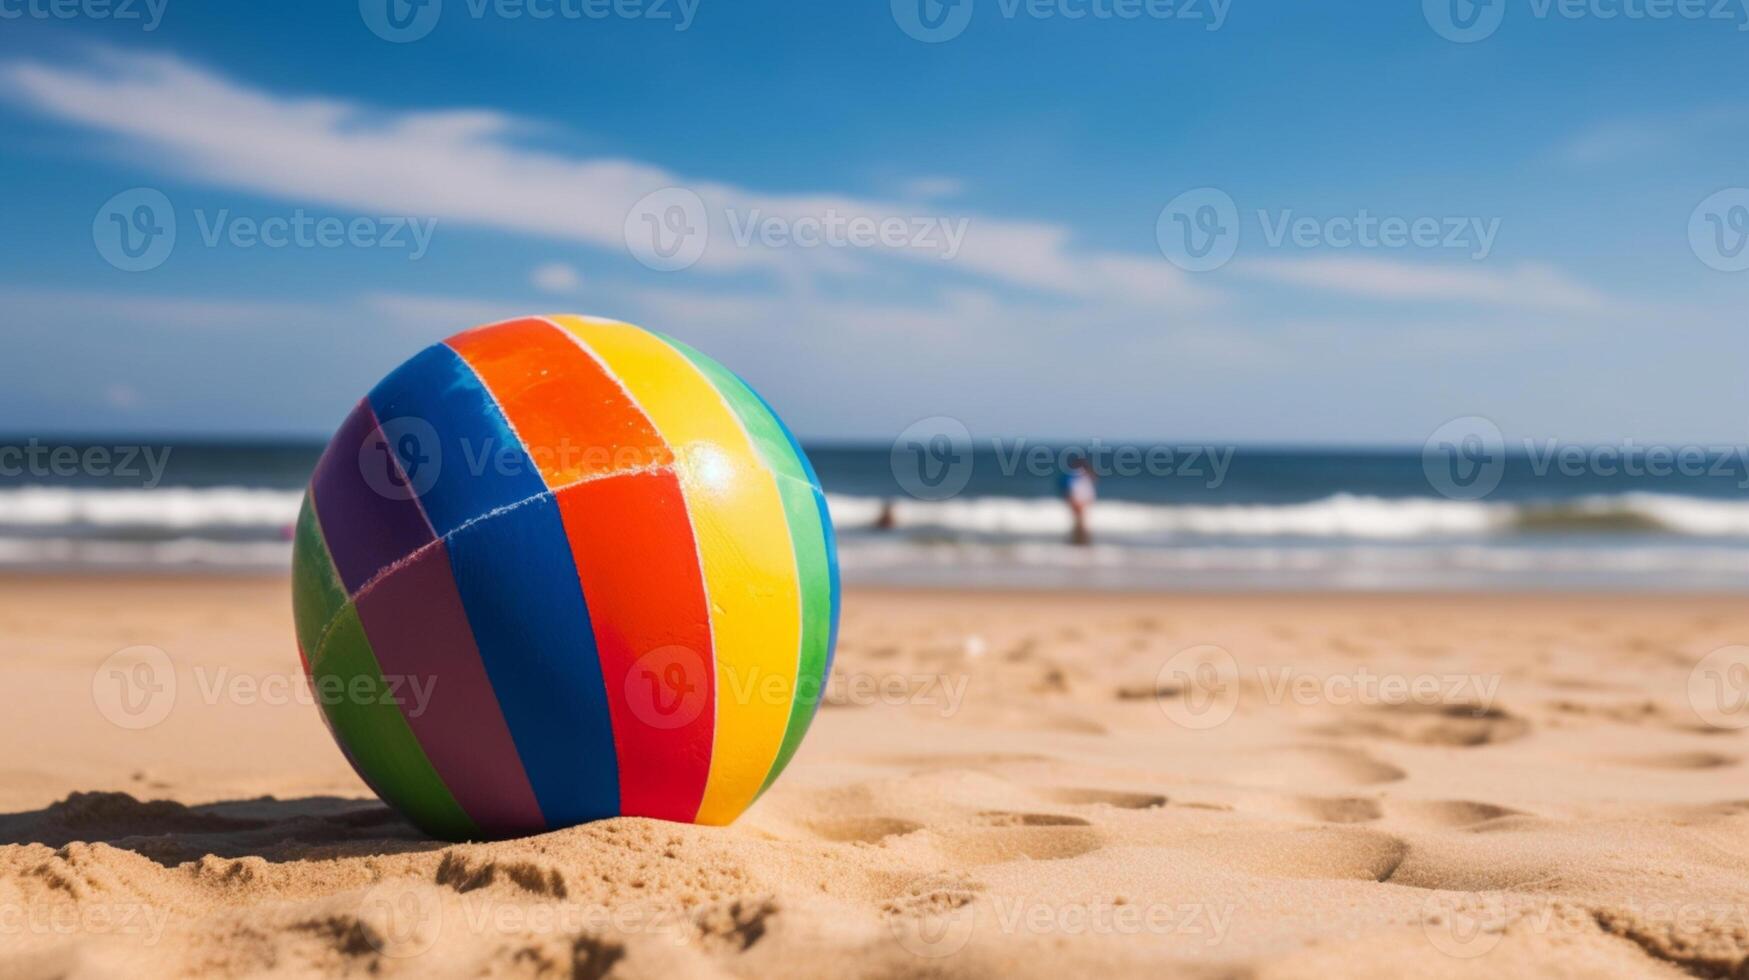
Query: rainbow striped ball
(561,568)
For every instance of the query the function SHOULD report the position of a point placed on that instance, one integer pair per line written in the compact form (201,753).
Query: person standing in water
(1077,485)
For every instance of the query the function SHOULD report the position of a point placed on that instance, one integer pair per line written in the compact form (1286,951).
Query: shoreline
(99,578)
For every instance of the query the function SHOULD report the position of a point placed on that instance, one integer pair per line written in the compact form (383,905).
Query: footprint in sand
(1313,766)
(461,874)
(1339,809)
(1064,723)
(1350,853)
(1000,836)
(1634,711)
(863,830)
(1679,761)
(1447,814)
(1709,944)
(1003,818)
(1457,725)
(1725,809)
(1104,797)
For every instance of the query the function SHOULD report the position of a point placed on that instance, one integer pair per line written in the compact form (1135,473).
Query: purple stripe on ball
(367,503)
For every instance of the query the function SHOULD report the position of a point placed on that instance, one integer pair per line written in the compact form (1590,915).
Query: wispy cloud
(444,314)
(556,277)
(26,305)
(932,188)
(472,167)
(1526,286)
(1616,140)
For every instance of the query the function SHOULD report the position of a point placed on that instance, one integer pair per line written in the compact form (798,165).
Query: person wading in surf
(1077,484)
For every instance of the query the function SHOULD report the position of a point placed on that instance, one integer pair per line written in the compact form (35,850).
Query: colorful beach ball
(558,569)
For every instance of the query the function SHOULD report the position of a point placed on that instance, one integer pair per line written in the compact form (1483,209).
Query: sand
(1001,785)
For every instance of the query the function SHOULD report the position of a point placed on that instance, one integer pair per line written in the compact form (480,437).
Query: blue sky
(1562,161)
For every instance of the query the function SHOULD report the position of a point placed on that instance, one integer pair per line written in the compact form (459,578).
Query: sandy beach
(999,785)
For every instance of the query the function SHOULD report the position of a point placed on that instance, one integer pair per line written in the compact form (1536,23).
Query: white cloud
(442,314)
(932,188)
(1526,286)
(27,305)
(556,277)
(467,167)
(1612,141)
(1616,140)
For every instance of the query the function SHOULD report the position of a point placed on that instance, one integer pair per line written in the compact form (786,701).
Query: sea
(1218,518)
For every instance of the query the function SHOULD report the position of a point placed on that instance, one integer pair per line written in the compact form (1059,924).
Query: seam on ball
(400,563)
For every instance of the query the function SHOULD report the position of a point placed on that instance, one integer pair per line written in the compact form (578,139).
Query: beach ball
(558,569)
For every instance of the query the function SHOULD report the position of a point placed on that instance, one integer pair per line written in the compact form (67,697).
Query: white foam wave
(179,553)
(1341,516)
(1683,515)
(169,508)
(167,512)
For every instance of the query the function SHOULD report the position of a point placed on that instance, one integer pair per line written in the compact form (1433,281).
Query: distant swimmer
(888,519)
(1077,484)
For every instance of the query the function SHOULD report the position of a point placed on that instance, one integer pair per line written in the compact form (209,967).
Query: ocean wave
(171,509)
(1339,516)
(230,512)
(191,554)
